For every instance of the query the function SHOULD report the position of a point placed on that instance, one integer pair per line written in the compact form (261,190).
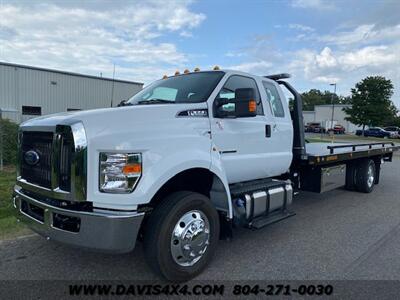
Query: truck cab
(179,165)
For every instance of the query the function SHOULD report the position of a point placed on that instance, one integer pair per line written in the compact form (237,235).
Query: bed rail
(354,146)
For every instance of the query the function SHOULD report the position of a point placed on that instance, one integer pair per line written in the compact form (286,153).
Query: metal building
(323,114)
(27,92)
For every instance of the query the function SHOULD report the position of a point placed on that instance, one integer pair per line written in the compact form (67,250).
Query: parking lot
(337,235)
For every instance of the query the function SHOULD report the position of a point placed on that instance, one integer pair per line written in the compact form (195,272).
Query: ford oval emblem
(31,157)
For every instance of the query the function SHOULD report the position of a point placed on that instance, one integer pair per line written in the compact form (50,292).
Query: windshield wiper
(155,101)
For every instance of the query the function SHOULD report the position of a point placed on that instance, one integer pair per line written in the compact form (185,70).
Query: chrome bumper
(102,231)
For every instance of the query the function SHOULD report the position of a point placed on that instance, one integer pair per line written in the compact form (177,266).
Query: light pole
(333,103)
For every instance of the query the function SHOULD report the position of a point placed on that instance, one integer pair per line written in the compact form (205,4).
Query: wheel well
(195,180)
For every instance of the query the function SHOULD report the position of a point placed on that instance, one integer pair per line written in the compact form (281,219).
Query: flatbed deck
(326,153)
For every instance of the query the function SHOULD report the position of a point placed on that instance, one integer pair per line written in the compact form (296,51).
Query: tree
(371,104)
(316,97)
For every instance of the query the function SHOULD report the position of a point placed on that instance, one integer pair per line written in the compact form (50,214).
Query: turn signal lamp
(252,106)
(130,169)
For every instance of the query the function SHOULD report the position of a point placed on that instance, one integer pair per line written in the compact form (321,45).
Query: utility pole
(333,104)
(112,87)
(1,142)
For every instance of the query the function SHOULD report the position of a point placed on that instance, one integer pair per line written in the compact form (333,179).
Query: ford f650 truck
(178,166)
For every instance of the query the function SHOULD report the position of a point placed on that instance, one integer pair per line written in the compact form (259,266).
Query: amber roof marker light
(216,68)
(186,71)
(196,69)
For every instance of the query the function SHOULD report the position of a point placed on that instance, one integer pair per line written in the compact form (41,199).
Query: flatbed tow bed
(327,153)
(321,167)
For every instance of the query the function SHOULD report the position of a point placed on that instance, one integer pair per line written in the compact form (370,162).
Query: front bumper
(105,231)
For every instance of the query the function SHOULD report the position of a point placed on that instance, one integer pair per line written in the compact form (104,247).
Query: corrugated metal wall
(57,92)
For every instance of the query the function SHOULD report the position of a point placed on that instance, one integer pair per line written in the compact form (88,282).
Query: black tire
(351,176)
(363,182)
(159,230)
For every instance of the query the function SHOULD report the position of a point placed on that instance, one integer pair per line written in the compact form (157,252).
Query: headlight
(119,172)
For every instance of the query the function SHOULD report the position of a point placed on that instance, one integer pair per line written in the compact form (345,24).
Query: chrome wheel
(371,176)
(190,238)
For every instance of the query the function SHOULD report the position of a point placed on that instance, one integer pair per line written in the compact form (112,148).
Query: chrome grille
(61,172)
(64,168)
(41,143)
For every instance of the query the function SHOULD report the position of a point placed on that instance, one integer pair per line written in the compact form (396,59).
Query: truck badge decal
(31,157)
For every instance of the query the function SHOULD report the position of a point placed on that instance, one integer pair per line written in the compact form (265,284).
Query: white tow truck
(178,166)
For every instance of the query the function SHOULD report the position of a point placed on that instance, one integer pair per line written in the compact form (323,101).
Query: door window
(274,100)
(239,82)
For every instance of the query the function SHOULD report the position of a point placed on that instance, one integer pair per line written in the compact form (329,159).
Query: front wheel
(181,236)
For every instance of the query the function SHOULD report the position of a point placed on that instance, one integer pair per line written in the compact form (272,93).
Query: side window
(274,100)
(32,110)
(239,82)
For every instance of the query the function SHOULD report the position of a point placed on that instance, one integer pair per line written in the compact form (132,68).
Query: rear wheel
(181,236)
(365,176)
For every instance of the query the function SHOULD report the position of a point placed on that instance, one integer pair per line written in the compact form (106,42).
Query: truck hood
(99,121)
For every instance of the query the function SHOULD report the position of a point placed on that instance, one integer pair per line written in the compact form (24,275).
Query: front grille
(53,163)
(64,179)
(41,143)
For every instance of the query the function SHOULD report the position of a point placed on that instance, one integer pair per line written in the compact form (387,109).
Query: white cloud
(365,33)
(373,56)
(90,40)
(234,54)
(329,64)
(325,59)
(316,4)
(186,34)
(258,67)
(301,27)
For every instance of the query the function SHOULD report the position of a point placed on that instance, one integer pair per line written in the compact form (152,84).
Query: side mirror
(243,105)
(122,103)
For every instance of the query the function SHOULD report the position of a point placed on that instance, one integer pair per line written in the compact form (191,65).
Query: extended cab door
(246,145)
(282,129)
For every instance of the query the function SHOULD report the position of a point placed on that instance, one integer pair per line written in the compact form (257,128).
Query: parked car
(394,131)
(314,127)
(338,129)
(310,126)
(375,132)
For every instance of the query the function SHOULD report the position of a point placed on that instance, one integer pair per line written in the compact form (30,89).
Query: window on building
(239,82)
(274,100)
(73,109)
(32,110)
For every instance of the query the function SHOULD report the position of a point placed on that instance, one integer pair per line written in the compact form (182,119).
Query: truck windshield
(187,88)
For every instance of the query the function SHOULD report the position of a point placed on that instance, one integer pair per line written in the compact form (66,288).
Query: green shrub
(8,140)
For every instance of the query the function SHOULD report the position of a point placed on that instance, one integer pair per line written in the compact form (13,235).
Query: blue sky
(318,42)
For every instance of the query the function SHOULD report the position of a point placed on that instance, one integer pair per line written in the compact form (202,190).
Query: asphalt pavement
(337,235)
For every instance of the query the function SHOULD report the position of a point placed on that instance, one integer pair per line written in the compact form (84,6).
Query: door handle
(267,131)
